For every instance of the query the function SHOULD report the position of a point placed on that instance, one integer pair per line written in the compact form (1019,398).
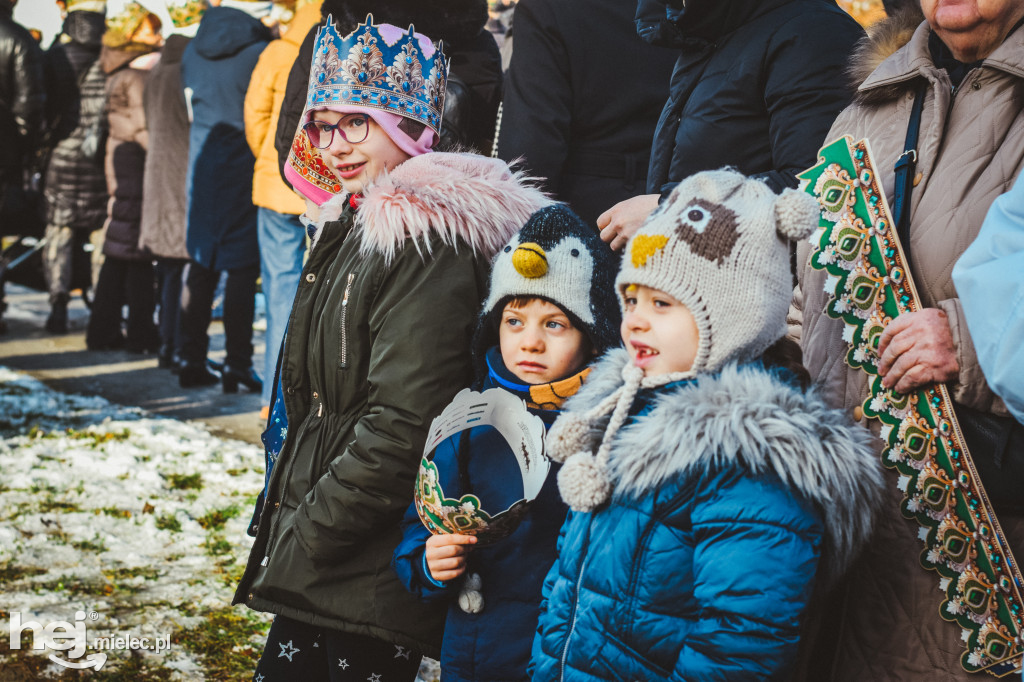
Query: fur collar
(456,198)
(883,40)
(747,417)
(895,54)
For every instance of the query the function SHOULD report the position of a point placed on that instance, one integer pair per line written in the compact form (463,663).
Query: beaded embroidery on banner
(869,284)
(305,159)
(379,67)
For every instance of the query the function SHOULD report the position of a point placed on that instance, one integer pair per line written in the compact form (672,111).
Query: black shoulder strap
(905,166)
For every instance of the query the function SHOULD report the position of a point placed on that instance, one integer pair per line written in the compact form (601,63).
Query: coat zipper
(344,316)
(575,606)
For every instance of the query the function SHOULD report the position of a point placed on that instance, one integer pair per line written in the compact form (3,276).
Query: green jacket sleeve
(421,322)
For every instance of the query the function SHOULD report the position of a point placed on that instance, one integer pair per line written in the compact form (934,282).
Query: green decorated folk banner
(869,284)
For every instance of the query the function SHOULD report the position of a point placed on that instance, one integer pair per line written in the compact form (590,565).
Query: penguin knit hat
(556,257)
(718,245)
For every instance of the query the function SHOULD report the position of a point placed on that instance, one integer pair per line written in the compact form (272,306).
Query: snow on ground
(124,525)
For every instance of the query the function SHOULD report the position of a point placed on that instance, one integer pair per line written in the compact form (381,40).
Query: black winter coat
(582,96)
(216,69)
(757,85)
(474,80)
(22,96)
(76,188)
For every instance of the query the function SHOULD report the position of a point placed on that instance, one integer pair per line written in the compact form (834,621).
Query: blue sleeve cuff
(426,573)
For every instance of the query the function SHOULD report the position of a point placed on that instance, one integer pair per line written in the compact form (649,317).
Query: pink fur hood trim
(455,197)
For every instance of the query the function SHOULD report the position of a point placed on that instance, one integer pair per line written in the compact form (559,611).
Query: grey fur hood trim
(747,417)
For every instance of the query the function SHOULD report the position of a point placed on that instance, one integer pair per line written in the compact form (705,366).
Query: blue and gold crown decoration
(365,69)
(869,284)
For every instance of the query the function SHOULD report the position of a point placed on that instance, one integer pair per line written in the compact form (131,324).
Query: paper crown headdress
(186,12)
(122,26)
(381,67)
(87,6)
(524,434)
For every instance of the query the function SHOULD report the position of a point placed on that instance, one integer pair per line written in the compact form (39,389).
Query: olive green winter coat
(377,345)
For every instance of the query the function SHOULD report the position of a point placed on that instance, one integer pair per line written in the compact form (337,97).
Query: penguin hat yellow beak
(530,261)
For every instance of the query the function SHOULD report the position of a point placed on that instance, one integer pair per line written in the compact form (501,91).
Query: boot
(190,376)
(247,377)
(57,322)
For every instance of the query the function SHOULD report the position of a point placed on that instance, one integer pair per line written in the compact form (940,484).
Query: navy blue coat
(702,565)
(215,73)
(493,645)
(757,85)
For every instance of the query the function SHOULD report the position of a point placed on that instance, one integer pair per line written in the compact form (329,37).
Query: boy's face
(355,165)
(659,332)
(539,344)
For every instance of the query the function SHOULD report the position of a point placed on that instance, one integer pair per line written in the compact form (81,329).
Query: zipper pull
(266,560)
(348,288)
(320,410)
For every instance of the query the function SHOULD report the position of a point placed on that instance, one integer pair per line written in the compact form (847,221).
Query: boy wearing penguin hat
(550,310)
(709,491)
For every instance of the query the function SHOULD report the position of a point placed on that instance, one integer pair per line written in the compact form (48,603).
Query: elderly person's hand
(621,221)
(916,349)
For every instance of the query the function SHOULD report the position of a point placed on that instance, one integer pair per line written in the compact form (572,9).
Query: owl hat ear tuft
(797,214)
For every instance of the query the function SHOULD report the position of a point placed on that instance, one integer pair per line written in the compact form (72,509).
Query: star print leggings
(297,651)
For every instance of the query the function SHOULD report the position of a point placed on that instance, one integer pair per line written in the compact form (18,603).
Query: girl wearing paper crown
(377,344)
(710,493)
(550,310)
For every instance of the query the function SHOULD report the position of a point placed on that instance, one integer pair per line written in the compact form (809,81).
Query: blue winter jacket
(988,281)
(215,72)
(731,493)
(493,645)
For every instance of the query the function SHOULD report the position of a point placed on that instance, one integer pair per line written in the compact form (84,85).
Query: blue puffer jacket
(732,494)
(493,645)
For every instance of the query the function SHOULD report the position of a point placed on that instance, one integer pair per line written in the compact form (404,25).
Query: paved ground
(63,363)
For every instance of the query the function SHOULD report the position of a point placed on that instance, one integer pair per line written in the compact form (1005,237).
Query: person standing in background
(282,238)
(130,49)
(221,233)
(164,200)
(22,97)
(756,86)
(590,140)
(76,187)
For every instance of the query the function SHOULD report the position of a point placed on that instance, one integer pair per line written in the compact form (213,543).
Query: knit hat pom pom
(471,598)
(569,434)
(583,483)
(797,214)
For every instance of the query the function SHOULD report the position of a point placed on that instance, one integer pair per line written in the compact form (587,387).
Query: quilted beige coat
(971,149)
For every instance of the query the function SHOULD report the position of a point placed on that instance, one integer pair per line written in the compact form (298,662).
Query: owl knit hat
(718,245)
(558,258)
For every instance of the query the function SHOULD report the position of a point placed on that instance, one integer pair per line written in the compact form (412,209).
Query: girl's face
(539,344)
(659,332)
(355,165)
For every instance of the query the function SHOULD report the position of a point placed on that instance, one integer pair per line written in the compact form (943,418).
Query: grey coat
(164,204)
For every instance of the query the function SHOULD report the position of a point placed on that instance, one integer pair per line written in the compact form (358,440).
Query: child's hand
(446,555)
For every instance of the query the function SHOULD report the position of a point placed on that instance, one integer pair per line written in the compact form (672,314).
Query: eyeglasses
(353,128)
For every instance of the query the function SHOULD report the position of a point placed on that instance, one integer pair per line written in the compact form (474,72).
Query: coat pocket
(343,340)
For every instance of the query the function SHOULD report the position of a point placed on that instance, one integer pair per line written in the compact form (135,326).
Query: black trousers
(169,273)
(123,282)
(239,308)
(297,651)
